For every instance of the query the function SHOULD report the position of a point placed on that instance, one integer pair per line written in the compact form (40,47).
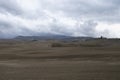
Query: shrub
(56,45)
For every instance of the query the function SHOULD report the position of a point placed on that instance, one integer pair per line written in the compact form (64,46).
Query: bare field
(39,60)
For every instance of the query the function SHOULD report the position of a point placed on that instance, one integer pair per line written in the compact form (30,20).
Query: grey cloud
(88,28)
(10,6)
(48,15)
(10,30)
(58,28)
(4,25)
(93,9)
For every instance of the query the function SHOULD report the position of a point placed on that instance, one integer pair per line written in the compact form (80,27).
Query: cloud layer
(67,17)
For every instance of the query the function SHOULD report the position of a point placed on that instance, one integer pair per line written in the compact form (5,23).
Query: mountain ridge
(51,37)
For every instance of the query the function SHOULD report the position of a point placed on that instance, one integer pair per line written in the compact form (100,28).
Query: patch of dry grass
(56,60)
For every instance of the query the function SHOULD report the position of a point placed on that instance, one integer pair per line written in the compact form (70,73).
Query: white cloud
(108,30)
(68,17)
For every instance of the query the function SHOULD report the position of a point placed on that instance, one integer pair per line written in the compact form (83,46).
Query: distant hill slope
(52,37)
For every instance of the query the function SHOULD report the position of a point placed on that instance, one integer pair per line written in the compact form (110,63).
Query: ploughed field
(58,60)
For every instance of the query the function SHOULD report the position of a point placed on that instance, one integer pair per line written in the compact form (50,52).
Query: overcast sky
(67,17)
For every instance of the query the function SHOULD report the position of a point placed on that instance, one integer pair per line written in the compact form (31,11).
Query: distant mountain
(52,37)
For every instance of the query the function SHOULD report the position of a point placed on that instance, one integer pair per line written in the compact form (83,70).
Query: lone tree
(101,37)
